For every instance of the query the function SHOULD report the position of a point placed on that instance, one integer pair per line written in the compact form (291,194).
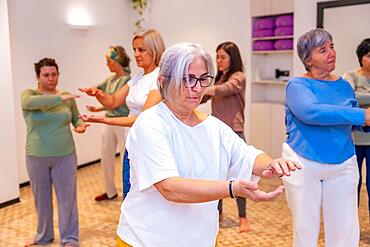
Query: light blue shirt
(319,119)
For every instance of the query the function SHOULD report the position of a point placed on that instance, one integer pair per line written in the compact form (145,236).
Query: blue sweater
(319,119)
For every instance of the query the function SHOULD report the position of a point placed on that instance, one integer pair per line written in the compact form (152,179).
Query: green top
(110,86)
(361,86)
(48,120)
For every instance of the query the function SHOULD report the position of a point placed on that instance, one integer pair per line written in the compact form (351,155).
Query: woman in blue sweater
(321,111)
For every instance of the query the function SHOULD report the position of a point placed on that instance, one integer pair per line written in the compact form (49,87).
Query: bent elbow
(169,195)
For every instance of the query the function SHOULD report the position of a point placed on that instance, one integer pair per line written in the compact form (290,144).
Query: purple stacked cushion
(284,21)
(283,31)
(263,33)
(263,45)
(283,44)
(264,23)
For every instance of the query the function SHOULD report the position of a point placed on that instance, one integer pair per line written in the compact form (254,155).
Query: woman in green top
(360,82)
(50,154)
(113,136)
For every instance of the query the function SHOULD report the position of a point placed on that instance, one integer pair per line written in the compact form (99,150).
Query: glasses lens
(190,81)
(205,81)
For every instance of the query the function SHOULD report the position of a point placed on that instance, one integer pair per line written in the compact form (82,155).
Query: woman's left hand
(81,128)
(281,167)
(210,91)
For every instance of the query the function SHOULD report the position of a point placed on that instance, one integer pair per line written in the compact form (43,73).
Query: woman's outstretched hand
(92,118)
(92,91)
(250,190)
(94,108)
(281,167)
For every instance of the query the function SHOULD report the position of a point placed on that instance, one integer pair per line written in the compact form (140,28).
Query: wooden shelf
(273,82)
(256,16)
(273,37)
(272,52)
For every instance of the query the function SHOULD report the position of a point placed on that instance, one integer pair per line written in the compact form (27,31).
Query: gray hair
(174,66)
(310,40)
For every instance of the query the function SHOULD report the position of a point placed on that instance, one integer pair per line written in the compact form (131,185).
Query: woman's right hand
(91,91)
(94,108)
(367,116)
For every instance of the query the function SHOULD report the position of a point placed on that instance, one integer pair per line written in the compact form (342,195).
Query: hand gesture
(94,108)
(250,190)
(280,167)
(92,91)
(66,97)
(81,128)
(92,118)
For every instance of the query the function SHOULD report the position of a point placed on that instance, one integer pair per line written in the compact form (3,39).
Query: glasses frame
(209,77)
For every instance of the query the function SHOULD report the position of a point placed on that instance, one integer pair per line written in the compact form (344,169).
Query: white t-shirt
(140,86)
(161,146)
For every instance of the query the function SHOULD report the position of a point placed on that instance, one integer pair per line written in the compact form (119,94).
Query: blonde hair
(152,39)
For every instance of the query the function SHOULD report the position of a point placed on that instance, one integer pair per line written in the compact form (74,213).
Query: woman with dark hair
(360,82)
(50,154)
(321,112)
(113,136)
(228,103)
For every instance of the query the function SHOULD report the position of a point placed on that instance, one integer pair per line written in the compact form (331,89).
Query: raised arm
(153,98)
(306,107)
(234,85)
(182,190)
(108,101)
(32,101)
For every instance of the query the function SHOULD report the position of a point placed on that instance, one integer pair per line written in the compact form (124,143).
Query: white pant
(112,137)
(330,188)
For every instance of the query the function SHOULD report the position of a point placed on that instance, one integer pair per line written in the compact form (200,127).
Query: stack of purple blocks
(273,26)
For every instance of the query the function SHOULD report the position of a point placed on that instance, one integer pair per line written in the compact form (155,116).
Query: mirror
(348,22)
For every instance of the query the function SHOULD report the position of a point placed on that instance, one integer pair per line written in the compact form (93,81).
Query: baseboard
(8,203)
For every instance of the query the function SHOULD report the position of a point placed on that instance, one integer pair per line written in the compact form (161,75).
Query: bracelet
(231,189)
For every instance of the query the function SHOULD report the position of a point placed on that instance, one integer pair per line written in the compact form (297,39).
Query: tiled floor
(271,222)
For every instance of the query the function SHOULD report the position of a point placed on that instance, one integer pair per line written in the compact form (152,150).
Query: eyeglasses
(204,81)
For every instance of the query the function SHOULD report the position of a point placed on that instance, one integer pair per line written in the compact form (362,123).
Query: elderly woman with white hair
(321,111)
(183,161)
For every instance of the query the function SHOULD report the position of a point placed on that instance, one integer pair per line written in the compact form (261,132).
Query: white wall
(304,20)
(8,165)
(38,29)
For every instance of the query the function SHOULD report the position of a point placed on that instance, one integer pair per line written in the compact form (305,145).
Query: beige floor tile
(271,222)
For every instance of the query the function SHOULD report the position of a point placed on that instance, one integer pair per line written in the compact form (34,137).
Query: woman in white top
(183,161)
(140,93)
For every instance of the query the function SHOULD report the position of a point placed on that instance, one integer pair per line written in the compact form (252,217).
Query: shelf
(273,37)
(272,52)
(256,16)
(273,82)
